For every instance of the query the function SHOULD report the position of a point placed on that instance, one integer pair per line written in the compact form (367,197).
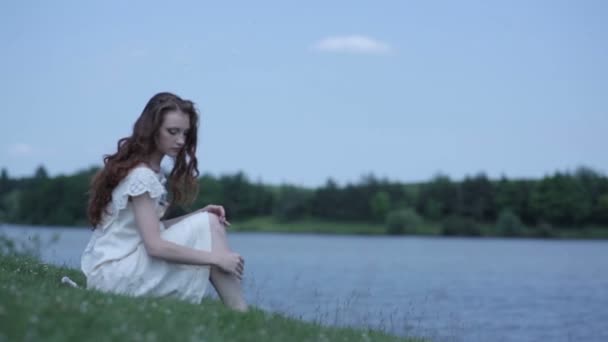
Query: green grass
(428,228)
(270,224)
(311,225)
(585,233)
(34,306)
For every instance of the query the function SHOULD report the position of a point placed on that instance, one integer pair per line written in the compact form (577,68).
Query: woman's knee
(215,224)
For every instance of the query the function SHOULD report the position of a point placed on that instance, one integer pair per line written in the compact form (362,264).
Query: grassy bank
(34,306)
(270,224)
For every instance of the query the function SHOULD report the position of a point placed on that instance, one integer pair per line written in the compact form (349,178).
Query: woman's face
(173,132)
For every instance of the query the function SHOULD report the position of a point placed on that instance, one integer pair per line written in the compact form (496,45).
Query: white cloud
(20,150)
(352,44)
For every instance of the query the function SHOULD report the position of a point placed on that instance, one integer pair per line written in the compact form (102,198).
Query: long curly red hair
(139,146)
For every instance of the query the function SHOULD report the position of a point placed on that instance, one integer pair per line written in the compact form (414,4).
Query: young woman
(132,251)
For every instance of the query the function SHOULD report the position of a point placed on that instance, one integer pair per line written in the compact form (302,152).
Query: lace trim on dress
(137,182)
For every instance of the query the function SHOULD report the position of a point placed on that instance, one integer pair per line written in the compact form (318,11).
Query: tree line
(564,200)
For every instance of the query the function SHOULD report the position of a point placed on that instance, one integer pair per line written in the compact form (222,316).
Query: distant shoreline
(268,224)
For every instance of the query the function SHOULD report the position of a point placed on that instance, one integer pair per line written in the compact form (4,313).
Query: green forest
(562,204)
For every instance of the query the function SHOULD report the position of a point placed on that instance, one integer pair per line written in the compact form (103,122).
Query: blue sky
(301,91)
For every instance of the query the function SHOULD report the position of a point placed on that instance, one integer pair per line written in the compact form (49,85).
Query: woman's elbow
(155,249)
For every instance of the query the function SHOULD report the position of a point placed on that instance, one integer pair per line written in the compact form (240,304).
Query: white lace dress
(115,259)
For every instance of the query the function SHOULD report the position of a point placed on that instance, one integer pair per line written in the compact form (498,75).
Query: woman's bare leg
(227,285)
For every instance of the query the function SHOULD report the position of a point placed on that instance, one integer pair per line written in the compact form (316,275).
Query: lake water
(446,289)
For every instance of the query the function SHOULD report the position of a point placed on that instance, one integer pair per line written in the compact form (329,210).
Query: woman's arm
(148,225)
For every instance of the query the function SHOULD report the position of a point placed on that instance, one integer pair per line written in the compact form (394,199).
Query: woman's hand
(231,262)
(219,211)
